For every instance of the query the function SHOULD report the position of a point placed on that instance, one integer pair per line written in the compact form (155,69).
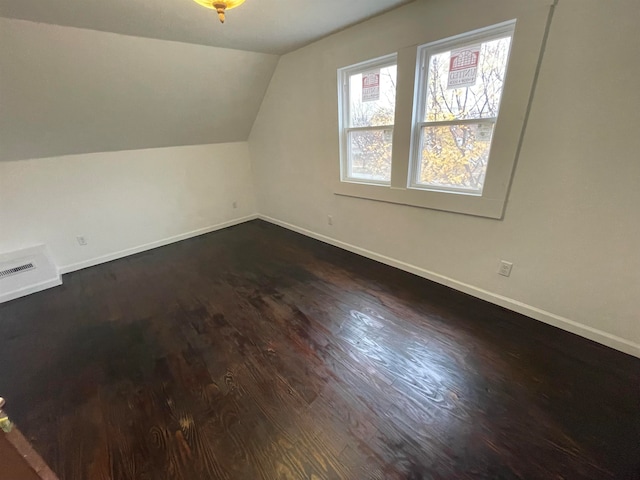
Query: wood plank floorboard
(257,353)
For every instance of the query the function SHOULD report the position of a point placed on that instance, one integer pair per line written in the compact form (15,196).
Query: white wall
(571,226)
(121,202)
(67,90)
(73,91)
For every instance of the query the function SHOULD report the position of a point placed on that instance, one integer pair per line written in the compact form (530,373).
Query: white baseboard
(563,323)
(149,246)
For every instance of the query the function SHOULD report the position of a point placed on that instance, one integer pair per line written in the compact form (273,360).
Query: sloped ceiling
(68,90)
(273,26)
(94,76)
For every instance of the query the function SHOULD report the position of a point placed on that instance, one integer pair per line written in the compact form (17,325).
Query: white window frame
(424,54)
(527,47)
(344,104)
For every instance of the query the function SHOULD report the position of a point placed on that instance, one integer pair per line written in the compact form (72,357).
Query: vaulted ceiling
(85,76)
(273,26)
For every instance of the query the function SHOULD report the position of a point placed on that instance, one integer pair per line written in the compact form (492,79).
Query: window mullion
(401,152)
(367,129)
(469,121)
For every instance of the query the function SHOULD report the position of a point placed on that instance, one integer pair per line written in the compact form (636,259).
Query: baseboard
(563,323)
(149,246)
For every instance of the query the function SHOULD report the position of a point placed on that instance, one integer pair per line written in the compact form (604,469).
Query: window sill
(479,206)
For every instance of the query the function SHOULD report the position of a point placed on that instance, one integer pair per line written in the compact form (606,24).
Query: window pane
(455,156)
(480,100)
(370,155)
(373,106)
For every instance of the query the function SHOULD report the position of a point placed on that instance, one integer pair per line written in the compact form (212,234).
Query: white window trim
(425,52)
(344,102)
(524,62)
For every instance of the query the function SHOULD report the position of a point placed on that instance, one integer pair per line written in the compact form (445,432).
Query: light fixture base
(220,8)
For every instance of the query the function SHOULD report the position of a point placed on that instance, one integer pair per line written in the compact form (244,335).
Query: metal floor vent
(18,269)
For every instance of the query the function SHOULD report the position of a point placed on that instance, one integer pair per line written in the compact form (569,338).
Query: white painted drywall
(122,202)
(572,225)
(67,90)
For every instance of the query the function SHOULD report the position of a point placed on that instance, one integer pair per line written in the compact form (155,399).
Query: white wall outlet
(81,240)
(235,204)
(330,219)
(505,268)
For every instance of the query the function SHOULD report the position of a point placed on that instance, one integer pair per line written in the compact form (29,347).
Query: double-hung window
(456,137)
(368,104)
(460,84)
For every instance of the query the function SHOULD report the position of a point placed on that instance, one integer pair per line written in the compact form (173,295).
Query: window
(460,84)
(461,106)
(368,104)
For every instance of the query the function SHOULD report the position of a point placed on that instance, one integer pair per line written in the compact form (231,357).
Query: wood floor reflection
(256,353)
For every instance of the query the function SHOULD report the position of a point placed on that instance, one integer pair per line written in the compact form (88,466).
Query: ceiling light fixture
(220,6)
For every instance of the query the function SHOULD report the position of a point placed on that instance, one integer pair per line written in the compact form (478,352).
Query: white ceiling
(268,26)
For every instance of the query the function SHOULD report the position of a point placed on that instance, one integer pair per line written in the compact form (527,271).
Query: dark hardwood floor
(257,353)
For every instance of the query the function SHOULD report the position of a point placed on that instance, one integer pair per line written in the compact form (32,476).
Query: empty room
(365,239)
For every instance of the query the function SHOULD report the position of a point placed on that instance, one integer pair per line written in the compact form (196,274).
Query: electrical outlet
(235,204)
(505,268)
(329,219)
(81,240)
